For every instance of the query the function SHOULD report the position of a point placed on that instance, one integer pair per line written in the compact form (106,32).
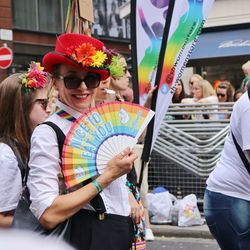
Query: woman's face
(39,113)
(122,83)
(178,88)
(101,93)
(197,91)
(222,94)
(79,99)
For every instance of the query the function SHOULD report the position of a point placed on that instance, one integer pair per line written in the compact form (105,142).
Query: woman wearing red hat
(77,65)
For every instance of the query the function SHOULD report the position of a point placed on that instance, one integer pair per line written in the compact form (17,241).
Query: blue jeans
(228,219)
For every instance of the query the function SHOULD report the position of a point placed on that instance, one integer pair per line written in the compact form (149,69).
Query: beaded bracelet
(97,185)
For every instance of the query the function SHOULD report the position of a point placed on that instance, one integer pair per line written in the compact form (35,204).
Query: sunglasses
(222,95)
(125,70)
(42,102)
(91,81)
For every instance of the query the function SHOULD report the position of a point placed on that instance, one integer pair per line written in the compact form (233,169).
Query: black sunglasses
(42,102)
(222,95)
(91,81)
(125,70)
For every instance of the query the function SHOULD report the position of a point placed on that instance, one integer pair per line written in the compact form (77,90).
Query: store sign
(6,34)
(235,43)
(6,57)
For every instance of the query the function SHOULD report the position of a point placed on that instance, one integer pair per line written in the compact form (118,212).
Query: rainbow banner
(148,19)
(161,59)
(187,21)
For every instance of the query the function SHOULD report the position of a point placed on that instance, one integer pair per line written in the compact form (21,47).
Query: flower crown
(89,56)
(35,78)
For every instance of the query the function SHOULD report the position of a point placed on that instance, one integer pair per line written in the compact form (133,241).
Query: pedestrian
(119,85)
(225,93)
(194,78)
(202,93)
(23,103)
(227,199)
(246,68)
(238,93)
(77,66)
(103,93)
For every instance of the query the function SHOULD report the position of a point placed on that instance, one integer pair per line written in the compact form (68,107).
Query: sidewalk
(184,232)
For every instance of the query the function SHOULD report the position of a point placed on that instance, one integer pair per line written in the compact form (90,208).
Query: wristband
(97,185)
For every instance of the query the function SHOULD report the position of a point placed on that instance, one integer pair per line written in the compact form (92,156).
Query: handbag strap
(240,152)
(248,90)
(15,148)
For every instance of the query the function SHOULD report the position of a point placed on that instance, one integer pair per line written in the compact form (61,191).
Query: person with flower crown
(77,66)
(23,103)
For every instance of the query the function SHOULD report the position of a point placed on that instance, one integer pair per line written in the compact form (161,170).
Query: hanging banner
(179,39)
(148,18)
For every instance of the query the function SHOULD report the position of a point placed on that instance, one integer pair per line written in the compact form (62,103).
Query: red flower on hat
(70,51)
(84,54)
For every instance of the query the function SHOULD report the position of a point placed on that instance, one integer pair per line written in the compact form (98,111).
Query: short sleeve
(10,179)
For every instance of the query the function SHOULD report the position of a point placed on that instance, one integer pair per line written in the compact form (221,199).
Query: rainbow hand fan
(98,135)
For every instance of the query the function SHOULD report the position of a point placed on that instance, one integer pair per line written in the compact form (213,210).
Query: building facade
(30,27)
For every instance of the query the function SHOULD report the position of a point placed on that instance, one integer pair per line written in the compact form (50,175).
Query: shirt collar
(68,109)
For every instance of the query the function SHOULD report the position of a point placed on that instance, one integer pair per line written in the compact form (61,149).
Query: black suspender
(97,202)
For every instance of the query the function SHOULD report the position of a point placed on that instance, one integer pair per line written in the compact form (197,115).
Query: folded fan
(98,135)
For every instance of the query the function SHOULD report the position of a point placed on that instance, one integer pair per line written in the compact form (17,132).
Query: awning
(222,44)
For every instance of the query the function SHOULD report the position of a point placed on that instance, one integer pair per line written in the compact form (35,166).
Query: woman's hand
(135,209)
(120,164)
(149,97)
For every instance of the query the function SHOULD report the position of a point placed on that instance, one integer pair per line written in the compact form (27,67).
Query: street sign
(6,57)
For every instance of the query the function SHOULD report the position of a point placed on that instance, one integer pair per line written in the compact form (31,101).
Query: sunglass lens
(92,81)
(125,69)
(72,82)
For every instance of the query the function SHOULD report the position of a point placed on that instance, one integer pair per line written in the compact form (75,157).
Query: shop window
(107,20)
(40,15)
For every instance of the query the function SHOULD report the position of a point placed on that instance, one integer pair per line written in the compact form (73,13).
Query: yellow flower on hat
(98,59)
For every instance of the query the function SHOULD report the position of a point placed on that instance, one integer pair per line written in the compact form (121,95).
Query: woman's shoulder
(7,156)
(187,100)
(212,98)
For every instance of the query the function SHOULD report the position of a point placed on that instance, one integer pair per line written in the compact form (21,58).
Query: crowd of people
(72,81)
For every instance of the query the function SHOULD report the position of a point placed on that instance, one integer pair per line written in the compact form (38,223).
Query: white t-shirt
(10,179)
(230,176)
(43,181)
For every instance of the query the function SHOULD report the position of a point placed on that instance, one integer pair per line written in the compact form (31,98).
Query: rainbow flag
(161,59)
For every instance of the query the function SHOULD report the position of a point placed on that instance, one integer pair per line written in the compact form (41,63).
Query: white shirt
(43,181)
(10,179)
(230,176)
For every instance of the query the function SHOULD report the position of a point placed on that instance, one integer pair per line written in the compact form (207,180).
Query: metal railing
(187,150)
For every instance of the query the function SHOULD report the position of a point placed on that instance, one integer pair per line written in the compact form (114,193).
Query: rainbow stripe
(65,115)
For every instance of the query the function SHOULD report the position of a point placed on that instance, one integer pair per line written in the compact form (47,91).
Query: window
(107,20)
(40,15)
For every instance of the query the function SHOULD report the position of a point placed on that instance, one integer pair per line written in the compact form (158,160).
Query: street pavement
(173,243)
(171,237)
(186,232)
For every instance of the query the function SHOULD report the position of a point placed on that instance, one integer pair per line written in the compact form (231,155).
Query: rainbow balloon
(99,135)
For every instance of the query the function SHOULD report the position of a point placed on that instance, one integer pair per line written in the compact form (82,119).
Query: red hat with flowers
(84,52)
